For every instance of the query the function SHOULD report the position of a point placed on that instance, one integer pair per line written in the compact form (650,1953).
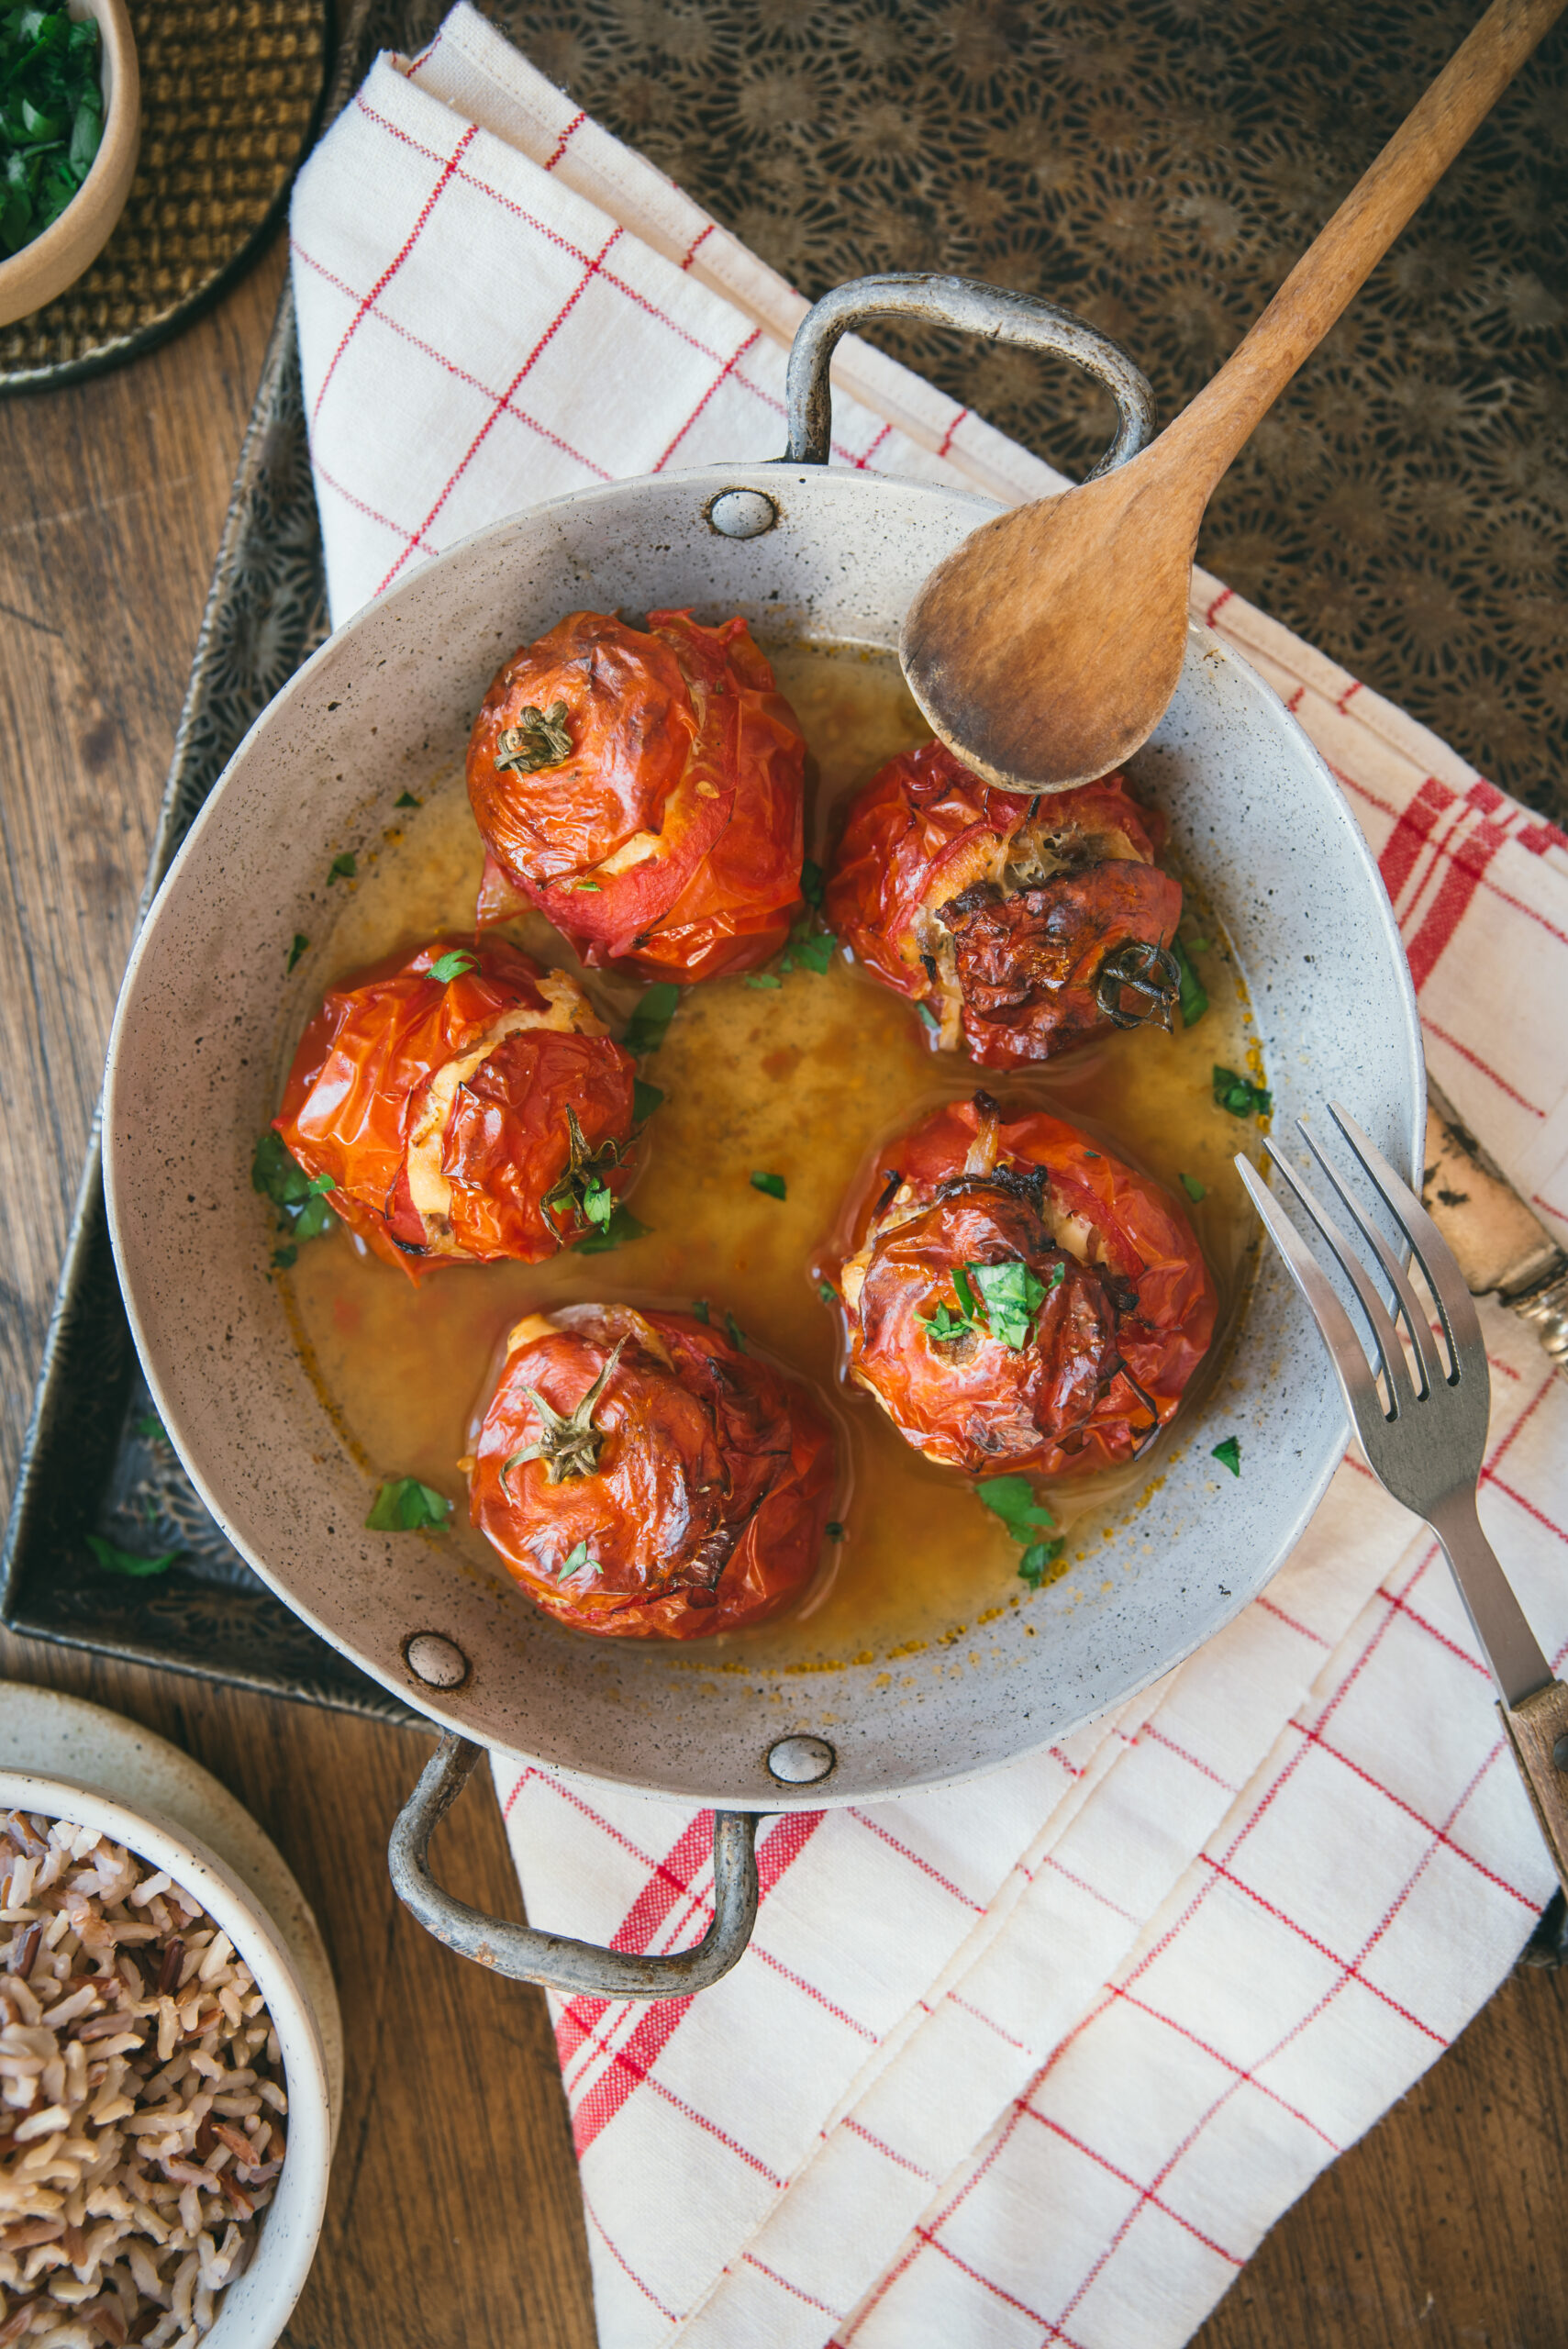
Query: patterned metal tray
(94,1463)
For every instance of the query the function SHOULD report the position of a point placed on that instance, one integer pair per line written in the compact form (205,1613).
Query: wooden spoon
(1045,647)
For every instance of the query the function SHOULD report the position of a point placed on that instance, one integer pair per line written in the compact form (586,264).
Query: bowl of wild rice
(165,2115)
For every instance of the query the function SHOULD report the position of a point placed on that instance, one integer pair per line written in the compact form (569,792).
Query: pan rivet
(742,514)
(800,1761)
(439,1661)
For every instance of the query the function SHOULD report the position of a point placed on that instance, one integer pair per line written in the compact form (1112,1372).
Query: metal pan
(203,1034)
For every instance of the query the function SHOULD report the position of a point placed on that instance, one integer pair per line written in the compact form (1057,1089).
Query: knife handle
(1537,1729)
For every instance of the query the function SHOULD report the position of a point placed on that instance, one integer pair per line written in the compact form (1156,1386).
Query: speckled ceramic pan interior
(200,1044)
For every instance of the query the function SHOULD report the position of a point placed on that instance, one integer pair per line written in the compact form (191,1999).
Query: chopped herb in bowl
(51,115)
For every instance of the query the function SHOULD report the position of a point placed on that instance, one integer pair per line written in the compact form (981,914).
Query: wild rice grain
(130,2191)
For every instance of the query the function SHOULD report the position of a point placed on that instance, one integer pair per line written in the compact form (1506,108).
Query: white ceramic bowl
(254,2310)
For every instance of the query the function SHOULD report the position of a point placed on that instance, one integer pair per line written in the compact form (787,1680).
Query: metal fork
(1425,1435)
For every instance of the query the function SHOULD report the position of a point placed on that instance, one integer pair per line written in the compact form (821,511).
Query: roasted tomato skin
(683,749)
(707,1500)
(402,1091)
(1012,976)
(1112,1347)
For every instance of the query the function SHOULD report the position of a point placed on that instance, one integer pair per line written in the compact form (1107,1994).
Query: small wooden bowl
(55,260)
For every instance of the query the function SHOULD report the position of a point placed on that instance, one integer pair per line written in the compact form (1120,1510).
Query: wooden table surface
(454,2220)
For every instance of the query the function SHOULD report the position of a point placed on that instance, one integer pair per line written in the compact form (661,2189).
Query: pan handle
(972,307)
(520,1953)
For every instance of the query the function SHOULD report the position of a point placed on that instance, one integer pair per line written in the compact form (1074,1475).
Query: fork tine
(1407,1303)
(1456,1307)
(1345,1349)
(1385,1338)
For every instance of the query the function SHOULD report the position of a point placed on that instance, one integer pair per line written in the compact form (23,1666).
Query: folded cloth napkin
(1039,2058)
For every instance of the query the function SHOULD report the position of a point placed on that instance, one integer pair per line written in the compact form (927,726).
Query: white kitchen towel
(1040,2058)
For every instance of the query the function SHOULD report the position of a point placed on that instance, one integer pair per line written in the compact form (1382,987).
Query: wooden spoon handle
(1537,1729)
(1336,265)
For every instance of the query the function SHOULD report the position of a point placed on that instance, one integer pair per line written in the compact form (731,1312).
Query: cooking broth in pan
(802,1080)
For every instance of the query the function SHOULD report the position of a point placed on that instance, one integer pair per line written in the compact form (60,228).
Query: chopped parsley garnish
(774,1184)
(406,799)
(150,1428)
(285,1258)
(1229,1455)
(595,888)
(645,1099)
(928,1015)
(826,1292)
(51,116)
(621,1230)
(833,1529)
(454,965)
(646,1027)
(126,1562)
(541,737)
(1240,1094)
(295,950)
(763,979)
(813,881)
(1193,996)
(700,1312)
(1015,1502)
(404,1505)
(815,948)
(1010,1295)
(1193,1188)
(735,1338)
(344,867)
(574,1561)
(301,1202)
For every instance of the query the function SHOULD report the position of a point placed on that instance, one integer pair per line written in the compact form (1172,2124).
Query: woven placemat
(231,94)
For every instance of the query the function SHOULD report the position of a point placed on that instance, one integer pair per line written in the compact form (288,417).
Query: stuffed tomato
(643,789)
(1023,926)
(643,1477)
(463,1105)
(1019,1300)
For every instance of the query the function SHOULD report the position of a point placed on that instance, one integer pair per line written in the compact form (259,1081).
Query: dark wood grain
(455,2221)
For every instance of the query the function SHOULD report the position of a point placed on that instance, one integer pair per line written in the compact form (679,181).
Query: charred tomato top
(467,1103)
(1019,1301)
(643,789)
(1024,926)
(642,1478)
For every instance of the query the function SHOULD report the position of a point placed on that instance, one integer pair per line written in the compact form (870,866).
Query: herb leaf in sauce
(126,1562)
(774,1184)
(1037,1560)
(928,1015)
(406,799)
(574,1561)
(540,738)
(826,1292)
(1240,1094)
(1193,996)
(645,1099)
(150,1428)
(815,948)
(763,979)
(621,1230)
(300,943)
(646,1029)
(733,1330)
(454,965)
(701,1312)
(1193,1188)
(302,1211)
(813,881)
(1015,1502)
(1229,1455)
(833,1529)
(404,1505)
(344,867)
